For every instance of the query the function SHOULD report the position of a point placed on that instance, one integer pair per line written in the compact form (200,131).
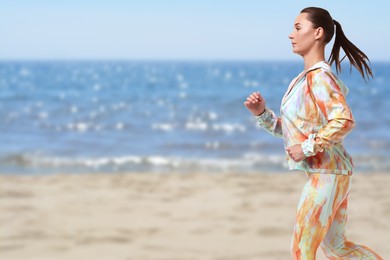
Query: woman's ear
(319,33)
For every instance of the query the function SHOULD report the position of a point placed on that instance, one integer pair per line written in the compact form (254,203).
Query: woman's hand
(296,152)
(255,103)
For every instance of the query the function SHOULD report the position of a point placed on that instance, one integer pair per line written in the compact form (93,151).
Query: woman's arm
(270,122)
(266,118)
(330,99)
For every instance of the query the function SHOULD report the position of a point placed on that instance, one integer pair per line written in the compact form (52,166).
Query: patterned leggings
(321,220)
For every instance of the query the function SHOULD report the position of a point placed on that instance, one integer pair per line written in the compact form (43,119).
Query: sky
(177,30)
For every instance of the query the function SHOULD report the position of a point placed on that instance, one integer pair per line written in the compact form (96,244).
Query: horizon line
(161,60)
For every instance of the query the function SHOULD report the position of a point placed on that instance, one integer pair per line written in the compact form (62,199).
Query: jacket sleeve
(330,99)
(270,122)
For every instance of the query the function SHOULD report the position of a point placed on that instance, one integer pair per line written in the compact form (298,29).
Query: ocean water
(144,116)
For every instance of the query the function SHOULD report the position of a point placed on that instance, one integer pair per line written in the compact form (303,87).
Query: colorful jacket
(315,114)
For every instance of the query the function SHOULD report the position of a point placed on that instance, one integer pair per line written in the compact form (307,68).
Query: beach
(172,216)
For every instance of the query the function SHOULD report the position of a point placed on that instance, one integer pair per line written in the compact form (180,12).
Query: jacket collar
(319,65)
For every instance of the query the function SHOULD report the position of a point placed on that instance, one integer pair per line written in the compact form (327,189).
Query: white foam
(228,128)
(250,83)
(158,160)
(127,159)
(216,72)
(196,125)
(212,145)
(160,102)
(102,109)
(261,158)
(24,72)
(163,126)
(212,115)
(183,85)
(43,115)
(255,83)
(248,163)
(97,87)
(62,95)
(80,127)
(118,106)
(247,83)
(96,163)
(73,109)
(122,105)
(119,126)
(228,75)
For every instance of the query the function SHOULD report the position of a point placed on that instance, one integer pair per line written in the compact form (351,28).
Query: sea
(166,116)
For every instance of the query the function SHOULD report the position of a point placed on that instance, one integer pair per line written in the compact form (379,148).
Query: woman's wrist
(261,112)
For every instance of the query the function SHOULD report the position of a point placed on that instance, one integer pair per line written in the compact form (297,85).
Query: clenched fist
(255,103)
(295,152)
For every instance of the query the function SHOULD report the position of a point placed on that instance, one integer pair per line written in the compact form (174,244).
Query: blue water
(164,117)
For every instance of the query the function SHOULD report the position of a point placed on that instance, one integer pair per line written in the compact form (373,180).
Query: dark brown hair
(321,18)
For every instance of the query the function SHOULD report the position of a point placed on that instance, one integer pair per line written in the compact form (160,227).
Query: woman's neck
(312,58)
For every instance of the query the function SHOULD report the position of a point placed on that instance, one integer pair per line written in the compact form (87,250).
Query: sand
(172,216)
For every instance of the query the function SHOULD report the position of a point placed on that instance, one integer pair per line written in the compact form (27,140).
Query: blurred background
(158,86)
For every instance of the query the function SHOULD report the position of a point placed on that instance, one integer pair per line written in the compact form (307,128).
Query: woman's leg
(321,196)
(335,244)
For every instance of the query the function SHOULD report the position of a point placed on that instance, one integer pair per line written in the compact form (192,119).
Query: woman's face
(303,35)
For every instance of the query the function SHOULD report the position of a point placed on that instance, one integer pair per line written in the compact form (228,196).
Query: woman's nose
(290,36)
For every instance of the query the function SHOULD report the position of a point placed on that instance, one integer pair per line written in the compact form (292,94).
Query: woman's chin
(294,50)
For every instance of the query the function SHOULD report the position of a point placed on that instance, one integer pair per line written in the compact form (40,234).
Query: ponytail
(356,57)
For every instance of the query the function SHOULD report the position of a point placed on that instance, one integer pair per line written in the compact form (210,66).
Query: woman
(315,118)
